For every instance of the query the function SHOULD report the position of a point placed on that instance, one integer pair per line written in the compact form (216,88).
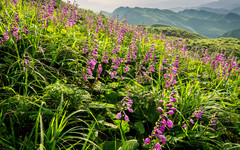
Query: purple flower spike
(165,75)
(99,70)
(164,123)
(127,69)
(173,93)
(126,118)
(170,112)
(105,56)
(162,129)
(130,110)
(199,114)
(173,99)
(213,121)
(147,141)
(119,115)
(185,126)
(168,83)
(6,37)
(115,67)
(85,77)
(169,105)
(152,68)
(160,101)
(89,72)
(169,123)
(211,128)
(28,63)
(159,109)
(173,109)
(105,61)
(15,29)
(192,122)
(112,75)
(175,70)
(157,147)
(163,139)
(15,34)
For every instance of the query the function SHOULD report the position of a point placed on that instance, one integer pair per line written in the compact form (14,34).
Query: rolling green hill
(170,31)
(201,14)
(233,33)
(235,10)
(226,45)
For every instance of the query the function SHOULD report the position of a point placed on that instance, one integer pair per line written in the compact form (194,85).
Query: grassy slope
(173,32)
(84,80)
(228,46)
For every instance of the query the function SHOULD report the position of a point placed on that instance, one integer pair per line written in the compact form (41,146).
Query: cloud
(109,2)
(110,5)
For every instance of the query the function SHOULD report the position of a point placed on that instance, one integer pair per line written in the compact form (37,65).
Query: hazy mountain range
(206,20)
(221,10)
(227,4)
(221,6)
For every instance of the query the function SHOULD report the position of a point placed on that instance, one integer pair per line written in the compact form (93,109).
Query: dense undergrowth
(71,79)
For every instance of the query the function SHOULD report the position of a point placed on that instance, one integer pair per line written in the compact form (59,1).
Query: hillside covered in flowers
(72,79)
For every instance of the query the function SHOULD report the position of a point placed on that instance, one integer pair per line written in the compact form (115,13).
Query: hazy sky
(110,5)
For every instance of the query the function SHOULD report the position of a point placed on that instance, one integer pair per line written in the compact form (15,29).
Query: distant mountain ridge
(202,14)
(235,10)
(227,4)
(198,21)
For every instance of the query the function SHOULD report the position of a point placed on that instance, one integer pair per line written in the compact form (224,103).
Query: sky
(110,5)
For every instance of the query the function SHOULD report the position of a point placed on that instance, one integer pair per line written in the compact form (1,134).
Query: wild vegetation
(72,79)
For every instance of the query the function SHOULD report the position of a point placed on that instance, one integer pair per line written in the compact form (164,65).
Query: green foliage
(122,125)
(76,97)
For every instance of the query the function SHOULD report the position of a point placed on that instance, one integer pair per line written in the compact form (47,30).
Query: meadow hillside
(226,45)
(73,79)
